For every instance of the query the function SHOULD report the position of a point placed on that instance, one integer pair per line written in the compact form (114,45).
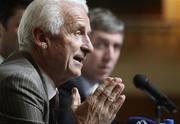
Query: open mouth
(78,58)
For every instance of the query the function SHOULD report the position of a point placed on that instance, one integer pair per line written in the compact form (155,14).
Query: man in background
(10,15)
(107,39)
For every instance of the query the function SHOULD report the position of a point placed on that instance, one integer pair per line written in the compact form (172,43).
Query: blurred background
(151,47)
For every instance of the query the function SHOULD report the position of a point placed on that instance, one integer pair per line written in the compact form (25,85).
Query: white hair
(45,14)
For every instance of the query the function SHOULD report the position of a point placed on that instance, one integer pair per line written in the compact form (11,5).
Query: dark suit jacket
(23,96)
(65,115)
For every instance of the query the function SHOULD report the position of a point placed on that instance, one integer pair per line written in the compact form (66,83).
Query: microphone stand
(158,113)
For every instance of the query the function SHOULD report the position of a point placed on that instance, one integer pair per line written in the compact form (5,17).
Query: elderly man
(53,42)
(107,39)
(10,14)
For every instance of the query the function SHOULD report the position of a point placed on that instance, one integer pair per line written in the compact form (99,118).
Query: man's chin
(102,77)
(76,73)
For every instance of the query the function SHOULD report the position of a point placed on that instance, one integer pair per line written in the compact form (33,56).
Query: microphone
(142,82)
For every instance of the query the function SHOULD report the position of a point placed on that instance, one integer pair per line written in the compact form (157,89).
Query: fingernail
(123,96)
(74,90)
(122,86)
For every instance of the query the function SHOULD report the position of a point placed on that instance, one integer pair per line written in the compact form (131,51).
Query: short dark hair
(9,7)
(104,20)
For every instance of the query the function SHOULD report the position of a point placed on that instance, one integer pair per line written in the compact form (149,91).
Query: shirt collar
(1,58)
(87,87)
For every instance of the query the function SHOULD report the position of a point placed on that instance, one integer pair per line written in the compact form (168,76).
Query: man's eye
(78,32)
(99,46)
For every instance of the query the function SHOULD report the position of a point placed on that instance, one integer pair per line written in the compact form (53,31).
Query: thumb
(75,98)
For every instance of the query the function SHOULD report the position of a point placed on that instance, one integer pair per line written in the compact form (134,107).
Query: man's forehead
(108,37)
(77,16)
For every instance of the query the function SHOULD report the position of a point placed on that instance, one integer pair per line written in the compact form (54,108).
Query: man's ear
(39,38)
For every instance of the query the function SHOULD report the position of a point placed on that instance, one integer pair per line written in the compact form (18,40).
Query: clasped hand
(102,106)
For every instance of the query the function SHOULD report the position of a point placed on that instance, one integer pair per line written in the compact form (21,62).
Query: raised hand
(100,107)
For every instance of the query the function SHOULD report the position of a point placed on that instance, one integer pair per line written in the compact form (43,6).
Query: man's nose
(109,54)
(87,45)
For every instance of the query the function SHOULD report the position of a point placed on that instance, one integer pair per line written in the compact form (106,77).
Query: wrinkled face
(68,50)
(9,41)
(100,63)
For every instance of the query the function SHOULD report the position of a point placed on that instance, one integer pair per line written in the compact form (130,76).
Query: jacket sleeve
(21,102)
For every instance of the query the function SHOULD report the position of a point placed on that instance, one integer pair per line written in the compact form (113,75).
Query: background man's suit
(25,91)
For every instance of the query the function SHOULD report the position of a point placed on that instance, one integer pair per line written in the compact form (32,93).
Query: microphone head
(140,81)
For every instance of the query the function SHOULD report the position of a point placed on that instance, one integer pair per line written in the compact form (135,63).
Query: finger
(114,108)
(75,98)
(107,91)
(94,98)
(116,91)
(112,90)
(118,80)
(101,87)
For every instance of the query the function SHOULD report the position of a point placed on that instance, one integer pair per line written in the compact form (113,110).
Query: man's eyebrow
(82,26)
(79,26)
(102,39)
